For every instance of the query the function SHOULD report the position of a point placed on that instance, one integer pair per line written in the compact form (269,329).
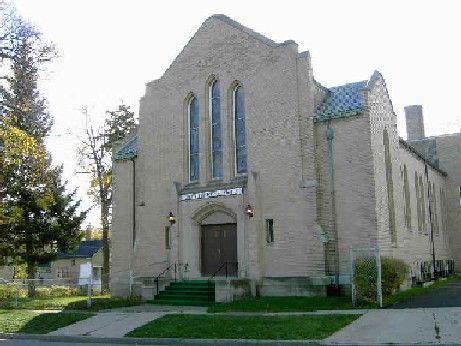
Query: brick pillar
(415,122)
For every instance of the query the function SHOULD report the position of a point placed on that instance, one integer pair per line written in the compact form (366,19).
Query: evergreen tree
(38,217)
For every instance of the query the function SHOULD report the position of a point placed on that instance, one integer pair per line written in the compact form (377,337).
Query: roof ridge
(245,29)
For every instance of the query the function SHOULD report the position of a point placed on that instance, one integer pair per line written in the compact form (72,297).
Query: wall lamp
(249,210)
(171,218)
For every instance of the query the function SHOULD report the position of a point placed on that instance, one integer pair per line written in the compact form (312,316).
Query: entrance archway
(218,240)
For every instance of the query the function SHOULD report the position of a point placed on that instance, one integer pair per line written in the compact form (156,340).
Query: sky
(109,50)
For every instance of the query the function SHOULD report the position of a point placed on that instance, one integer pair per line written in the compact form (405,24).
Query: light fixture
(249,211)
(171,218)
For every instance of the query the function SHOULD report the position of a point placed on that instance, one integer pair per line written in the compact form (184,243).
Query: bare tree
(95,156)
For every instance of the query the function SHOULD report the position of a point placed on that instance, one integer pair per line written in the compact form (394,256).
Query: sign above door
(211,194)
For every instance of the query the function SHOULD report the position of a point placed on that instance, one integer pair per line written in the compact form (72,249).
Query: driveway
(445,296)
(434,317)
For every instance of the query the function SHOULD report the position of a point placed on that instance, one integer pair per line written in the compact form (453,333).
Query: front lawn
(240,327)
(283,304)
(69,303)
(36,323)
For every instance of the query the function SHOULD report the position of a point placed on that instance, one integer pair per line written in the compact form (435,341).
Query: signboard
(211,194)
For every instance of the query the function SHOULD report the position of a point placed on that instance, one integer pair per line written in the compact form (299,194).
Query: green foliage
(68,303)
(119,123)
(37,216)
(8,291)
(243,327)
(26,52)
(392,274)
(365,279)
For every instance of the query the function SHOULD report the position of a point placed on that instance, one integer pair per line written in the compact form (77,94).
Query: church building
(245,169)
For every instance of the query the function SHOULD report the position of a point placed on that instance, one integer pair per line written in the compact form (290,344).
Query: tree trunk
(31,282)
(105,279)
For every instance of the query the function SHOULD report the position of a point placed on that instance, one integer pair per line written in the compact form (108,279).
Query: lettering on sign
(211,194)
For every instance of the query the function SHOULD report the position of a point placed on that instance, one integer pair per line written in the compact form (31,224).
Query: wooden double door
(219,250)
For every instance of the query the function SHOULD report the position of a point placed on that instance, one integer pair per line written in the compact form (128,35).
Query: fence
(366,276)
(424,271)
(47,293)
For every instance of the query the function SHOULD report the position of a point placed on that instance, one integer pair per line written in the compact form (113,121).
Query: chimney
(415,122)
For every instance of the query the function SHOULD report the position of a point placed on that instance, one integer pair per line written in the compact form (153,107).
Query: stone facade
(320,178)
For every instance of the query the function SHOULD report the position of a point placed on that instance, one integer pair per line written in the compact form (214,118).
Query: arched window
(194,159)
(216,138)
(406,196)
(239,128)
(390,186)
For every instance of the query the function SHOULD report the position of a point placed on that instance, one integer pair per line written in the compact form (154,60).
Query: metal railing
(175,267)
(224,266)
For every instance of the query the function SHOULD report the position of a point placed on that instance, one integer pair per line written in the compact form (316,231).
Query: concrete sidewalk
(108,324)
(403,326)
(116,323)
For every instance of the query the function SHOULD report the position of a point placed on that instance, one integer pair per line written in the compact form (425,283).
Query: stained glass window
(216,141)
(239,123)
(194,161)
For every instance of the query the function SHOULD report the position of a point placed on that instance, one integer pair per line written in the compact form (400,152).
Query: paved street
(445,296)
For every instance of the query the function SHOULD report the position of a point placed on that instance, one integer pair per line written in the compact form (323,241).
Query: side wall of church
(412,244)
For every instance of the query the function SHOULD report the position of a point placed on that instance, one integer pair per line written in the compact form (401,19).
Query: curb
(159,341)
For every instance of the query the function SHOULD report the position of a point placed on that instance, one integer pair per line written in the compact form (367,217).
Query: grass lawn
(416,291)
(283,304)
(70,303)
(16,321)
(239,327)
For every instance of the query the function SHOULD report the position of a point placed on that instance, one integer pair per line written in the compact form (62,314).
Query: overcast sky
(110,49)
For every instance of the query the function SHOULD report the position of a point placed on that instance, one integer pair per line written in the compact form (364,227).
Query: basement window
(269,231)
(167,237)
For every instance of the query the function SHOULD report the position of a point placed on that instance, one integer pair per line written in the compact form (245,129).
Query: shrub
(57,291)
(392,274)
(365,280)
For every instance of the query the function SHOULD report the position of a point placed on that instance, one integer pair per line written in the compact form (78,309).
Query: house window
(167,237)
(239,131)
(62,273)
(269,231)
(216,141)
(194,160)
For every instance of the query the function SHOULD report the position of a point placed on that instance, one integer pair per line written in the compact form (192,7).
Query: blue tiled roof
(342,101)
(86,249)
(129,150)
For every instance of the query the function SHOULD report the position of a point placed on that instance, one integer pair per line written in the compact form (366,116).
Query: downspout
(134,201)
(331,171)
(426,173)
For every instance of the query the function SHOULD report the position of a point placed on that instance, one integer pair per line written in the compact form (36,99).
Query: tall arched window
(194,159)
(406,196)
(239,128)
(216,141)
(390,186)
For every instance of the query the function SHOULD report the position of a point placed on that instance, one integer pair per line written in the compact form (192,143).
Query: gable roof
(86,249)
(128,150)
(342,101)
